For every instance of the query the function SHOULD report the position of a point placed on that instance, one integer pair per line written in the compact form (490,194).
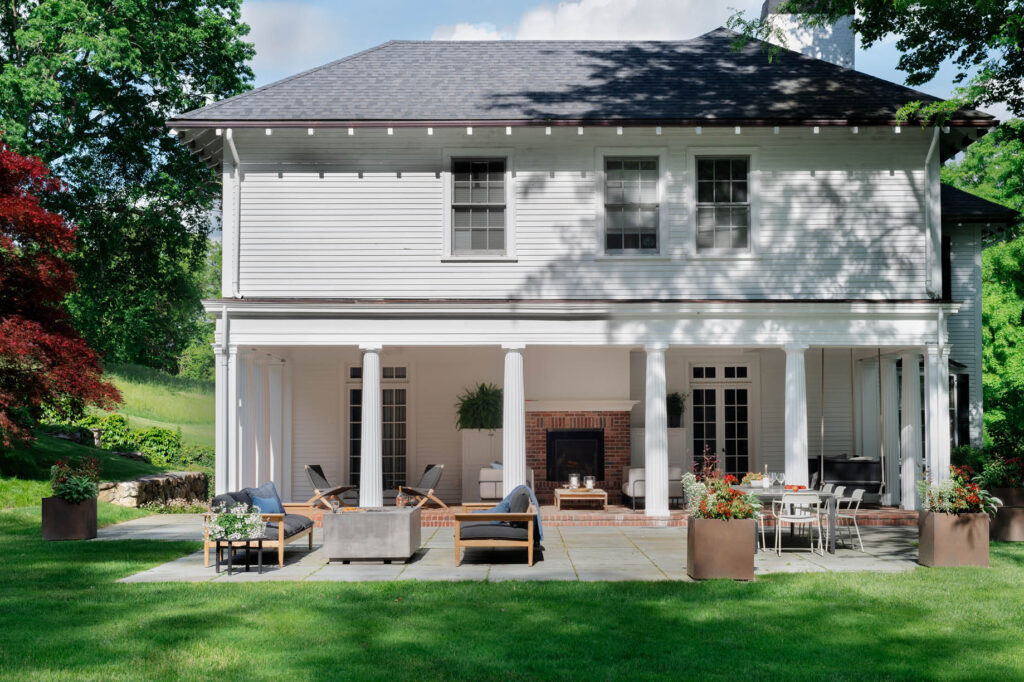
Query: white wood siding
(332,215)
(965,326)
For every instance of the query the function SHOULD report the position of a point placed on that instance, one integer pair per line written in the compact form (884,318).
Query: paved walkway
(570,553)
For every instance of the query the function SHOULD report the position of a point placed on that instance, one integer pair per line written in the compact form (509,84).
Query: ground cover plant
(63,616)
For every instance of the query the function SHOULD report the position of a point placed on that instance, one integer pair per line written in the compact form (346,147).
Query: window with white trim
(631,206)
(478,210)
(723,204)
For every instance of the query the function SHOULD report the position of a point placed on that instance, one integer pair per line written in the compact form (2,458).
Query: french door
(394,422)
(720,420)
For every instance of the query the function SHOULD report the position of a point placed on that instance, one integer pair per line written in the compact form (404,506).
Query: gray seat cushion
(293,523)
(485,530)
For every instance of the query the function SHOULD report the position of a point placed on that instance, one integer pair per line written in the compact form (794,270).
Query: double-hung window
(478,206)
(631,204)
(723,204)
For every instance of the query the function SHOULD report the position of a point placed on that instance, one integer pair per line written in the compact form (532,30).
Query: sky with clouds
(294,35)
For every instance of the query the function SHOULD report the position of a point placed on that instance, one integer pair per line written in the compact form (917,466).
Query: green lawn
(25,471)
(62,616)
(155,398)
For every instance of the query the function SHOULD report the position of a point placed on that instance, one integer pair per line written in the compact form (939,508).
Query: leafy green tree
(196,360)
(984,39)
(87,85)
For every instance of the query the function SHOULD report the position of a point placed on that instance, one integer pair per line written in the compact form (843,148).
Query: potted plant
(1004,477)
(722,531)
(70,513)
(478,419)
(675,404)
(238,522)
(953,525)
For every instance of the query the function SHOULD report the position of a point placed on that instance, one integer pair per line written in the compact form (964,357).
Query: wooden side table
(581,494)
(231,545)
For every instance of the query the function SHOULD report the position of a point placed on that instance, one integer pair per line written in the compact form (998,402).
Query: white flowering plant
(239,522)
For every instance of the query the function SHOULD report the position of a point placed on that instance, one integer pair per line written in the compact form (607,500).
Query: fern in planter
(480,408)
(675,404)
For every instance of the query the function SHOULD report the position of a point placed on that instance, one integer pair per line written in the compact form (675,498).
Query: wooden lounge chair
(513,529)
(326,496)
(424,490)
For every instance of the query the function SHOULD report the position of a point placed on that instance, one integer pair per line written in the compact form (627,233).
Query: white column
(222,420)
(260,422)
(796,415)
(286,439)
(371,476)
(910,430)
(890,430)
(246,420)
(942,453)
(513,432)
(936,380)
(655,433)
(234,477)
(275,422)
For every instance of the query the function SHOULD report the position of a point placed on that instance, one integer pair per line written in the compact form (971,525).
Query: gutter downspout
(236,214)
(933,219)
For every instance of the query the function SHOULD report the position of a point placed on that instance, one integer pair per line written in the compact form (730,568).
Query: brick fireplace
(614,425)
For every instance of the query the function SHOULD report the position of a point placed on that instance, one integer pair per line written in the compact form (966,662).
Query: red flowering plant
(958,495)
(715,498)
(75,483)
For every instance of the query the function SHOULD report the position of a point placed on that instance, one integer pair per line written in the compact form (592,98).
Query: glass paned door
(721,422)
(393,428)
(355,433)
(705,422)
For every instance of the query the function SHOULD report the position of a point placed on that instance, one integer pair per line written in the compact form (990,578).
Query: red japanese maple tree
(42,358)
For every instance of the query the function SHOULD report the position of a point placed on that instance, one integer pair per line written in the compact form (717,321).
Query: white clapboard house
(591,225)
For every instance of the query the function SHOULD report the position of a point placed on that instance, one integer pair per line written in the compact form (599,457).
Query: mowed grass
(63,616)
(25,470)
(155,398)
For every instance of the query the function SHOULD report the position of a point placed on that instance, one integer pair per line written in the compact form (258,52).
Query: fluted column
(655,433)
(246,422)
(513,432)
(260,470)
(942,445)
(890,430)
(371,464)
(910,430)
(796,415)
(234,475)
(222,420)
(275,422)
(935,412)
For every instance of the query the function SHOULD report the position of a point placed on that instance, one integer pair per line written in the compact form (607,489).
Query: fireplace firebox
(575,451)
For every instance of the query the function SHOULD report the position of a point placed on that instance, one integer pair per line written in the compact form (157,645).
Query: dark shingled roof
(698,80)
(965,207)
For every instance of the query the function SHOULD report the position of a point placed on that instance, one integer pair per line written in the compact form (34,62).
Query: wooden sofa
(281,528)
(513,529)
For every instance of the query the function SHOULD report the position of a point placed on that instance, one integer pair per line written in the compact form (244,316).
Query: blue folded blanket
(505,507)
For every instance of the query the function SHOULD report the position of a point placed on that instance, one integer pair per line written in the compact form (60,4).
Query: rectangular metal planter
(388,534)
(64,520)
(1008,524)
(953,539)
(720,549)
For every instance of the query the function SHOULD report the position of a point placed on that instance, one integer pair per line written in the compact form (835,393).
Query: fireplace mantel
(574,405)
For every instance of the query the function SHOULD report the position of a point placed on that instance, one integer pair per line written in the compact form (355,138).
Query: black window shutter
(947,269)
(963,409)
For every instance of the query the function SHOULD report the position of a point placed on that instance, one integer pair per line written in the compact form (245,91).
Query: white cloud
(290,36)
(608,20)
(482,31)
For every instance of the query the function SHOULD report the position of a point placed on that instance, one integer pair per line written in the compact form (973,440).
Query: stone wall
(616,447)
(173,487)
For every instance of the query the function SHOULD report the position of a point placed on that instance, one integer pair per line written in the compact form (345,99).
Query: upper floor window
(723,204)
(478,206)
(631,203)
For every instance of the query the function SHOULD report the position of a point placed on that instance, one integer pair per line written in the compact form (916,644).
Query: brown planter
(1008,524)
(953,539)
(63,520)
(720,549)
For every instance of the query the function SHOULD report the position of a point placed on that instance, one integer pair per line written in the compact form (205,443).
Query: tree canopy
(42,358)
(86,86)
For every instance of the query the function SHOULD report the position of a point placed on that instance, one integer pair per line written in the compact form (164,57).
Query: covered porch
(368,391)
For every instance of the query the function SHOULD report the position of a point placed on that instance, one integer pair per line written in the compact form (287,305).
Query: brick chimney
(834,43)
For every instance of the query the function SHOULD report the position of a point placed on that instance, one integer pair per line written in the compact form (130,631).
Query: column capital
(371,347)
(944,352)
(656,347)
(513,346)
(219,349)
(233,349)
(932,350)
(792,348)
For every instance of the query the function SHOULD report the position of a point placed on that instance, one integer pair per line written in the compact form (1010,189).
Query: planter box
(1008,524)
(720,549)
(66,521)
(952,539)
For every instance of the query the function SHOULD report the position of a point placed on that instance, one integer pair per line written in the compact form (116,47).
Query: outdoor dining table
(769,495)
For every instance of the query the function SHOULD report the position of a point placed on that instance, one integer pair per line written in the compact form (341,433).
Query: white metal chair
(827,488)
(762,516)
(798,509)
(850,515)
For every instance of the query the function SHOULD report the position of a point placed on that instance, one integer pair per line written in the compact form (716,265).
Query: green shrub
(162,446)
(116,433)
(197,455)
(197,361)
(480,408)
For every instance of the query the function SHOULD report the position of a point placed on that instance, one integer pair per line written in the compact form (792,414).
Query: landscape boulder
(171,488)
